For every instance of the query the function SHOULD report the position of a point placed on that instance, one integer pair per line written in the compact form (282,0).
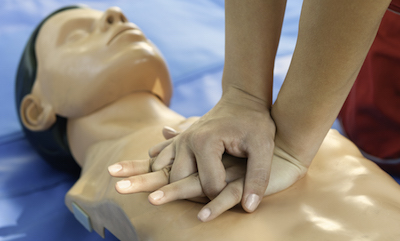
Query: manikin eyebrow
(86,24)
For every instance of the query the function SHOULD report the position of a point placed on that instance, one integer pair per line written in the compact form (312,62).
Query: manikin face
(88,59)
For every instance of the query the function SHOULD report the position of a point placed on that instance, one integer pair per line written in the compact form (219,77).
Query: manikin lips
(133,31)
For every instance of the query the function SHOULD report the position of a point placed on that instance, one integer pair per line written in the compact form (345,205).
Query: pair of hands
(226,156)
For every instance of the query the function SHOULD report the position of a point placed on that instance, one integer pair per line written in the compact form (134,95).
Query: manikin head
(77,61)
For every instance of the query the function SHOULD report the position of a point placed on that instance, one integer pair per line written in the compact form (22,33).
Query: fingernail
(170,130)
(252,202)
(204,214)
(157,195)
(115,168)
(124,184)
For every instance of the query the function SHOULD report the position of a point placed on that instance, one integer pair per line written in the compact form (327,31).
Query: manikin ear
(35,115)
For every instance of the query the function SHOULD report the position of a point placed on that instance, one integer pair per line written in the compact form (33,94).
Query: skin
(342,197)
(240,124)
(321,74)
(334,38)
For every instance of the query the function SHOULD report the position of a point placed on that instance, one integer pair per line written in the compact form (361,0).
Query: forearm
(334,38)
(252,32)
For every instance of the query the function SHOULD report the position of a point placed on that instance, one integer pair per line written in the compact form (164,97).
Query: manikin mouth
(123,30)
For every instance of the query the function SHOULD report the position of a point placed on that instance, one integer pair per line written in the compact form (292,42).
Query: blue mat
(190,34)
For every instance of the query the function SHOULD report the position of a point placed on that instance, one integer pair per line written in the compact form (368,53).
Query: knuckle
(152,152)
(199,139)
(212,191)
(158,148)
(182,139)
(267,142)
(260,181)
(157,163)
(140,180)
(156,167)
(152,165)
(270,143)
(236,193)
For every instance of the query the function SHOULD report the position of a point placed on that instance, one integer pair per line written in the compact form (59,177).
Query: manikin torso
(343,196)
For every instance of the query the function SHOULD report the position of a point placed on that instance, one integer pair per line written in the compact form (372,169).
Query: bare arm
(334,38)
(252,32)
(240,124)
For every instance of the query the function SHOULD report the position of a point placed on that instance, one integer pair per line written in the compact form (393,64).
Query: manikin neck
(127,115)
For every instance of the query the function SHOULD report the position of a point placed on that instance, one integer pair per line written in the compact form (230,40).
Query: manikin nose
(111,17)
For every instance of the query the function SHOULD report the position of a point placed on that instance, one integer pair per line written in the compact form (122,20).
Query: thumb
(257,174)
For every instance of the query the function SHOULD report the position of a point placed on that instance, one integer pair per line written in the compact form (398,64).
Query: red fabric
(371,113)
(395,5)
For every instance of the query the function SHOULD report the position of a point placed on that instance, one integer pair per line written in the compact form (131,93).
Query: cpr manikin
(111,84)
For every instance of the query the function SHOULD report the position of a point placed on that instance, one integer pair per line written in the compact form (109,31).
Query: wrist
(241,81)
(238,96)
(245,97)
(299,141)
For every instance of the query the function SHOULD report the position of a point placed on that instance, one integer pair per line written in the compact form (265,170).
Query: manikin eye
(76,35)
